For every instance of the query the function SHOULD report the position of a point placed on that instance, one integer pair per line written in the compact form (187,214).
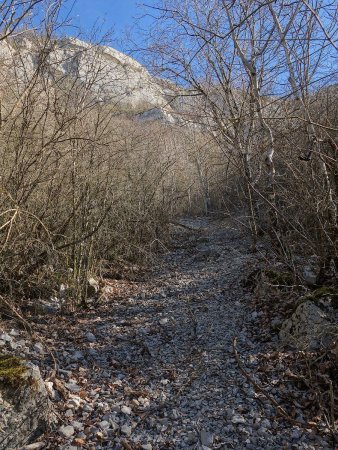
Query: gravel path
(156,370)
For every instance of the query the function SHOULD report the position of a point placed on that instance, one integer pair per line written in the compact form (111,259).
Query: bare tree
(258,66)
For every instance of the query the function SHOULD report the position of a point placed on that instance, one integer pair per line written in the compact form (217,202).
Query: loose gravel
(156,370)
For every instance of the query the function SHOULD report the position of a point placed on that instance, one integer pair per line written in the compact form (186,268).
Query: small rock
(126,410)
(66,431)
(125,429)
(77,356)
(72,387)
(164,321)
(147,447)
(175,414)
(104,424)
(93,287)
(35,446)
(90,337)
(309,276)
(38,348)
(16,333)
(13,345)
(5,337)
(237,419)
(296,434)
(74,403)
(87,408)
(77,425)
(266,423)
(207,438)
(50,389)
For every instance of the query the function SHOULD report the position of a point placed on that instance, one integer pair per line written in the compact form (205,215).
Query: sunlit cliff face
(111,75)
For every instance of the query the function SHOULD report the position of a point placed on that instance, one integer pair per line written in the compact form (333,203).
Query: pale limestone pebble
(38,348)
(238,419)
(66,431)
(104,424)
(5,337)
(15,333)
(74,402)
(78,426)
(126,429)
(126,410)
(34,446)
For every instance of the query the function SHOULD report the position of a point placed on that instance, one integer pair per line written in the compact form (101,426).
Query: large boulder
(310,327)
(25,409)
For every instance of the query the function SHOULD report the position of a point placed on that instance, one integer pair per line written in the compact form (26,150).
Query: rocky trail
(155,368)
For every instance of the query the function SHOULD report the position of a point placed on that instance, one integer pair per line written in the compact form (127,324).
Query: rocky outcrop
(111,75)
(25,409)
(310,327)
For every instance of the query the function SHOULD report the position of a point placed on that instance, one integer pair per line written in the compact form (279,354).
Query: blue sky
(118,15)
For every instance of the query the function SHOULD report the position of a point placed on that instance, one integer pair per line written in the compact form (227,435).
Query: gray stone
(308,327)
(147,447)
(77,356)
(296,434)
(126,410)
(35,446)
(38,348)
(238,419)
(77,425)
(104,424)
(87,408)
(125,429)
(16,333)
(13,345)
(309,276)
(6,337)
(66,431)
(207,438)
(93,287)
(90,337)
(72,387)
(74,403)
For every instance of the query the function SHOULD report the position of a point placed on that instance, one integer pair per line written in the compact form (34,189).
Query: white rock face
(308,328)
(111,75)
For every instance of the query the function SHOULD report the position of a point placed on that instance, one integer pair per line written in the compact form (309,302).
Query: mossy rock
(321,294)
(11,369)
(26,411)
